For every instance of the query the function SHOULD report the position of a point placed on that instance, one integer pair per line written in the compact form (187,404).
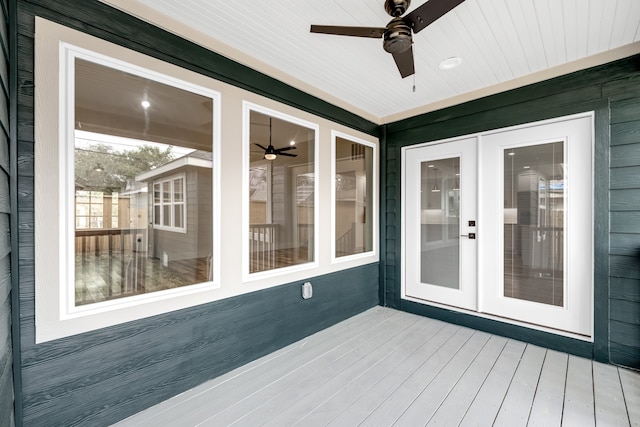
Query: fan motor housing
(397,36)
(396,8)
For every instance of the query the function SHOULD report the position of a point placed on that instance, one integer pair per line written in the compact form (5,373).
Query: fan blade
(428,13)
(404,61)
(264,148)
(372,32)
(285,148)
(287,154)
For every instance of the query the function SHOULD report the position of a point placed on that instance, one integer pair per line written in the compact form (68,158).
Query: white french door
(441,210)
(524,195)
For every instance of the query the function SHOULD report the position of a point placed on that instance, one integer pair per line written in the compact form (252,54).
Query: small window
(169,205)
(281,191)
(353,197)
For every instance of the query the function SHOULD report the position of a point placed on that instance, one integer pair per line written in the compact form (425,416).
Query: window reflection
(143,185)
(353,198)
(281,193)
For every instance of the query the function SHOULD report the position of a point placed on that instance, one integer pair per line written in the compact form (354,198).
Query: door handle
(471,236)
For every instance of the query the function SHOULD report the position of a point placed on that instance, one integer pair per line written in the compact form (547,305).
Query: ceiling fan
(270,153)
(397,34)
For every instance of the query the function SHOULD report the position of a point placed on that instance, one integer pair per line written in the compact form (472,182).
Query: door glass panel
(534,195)
(440,222)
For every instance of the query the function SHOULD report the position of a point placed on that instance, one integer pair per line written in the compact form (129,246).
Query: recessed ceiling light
(145,104)
(450,63)
(526,167)
(430,166)
(292,142)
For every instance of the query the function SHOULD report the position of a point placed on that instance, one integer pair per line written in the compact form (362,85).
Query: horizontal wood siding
(624,249)
(6,349)
(100,377)
(613,91)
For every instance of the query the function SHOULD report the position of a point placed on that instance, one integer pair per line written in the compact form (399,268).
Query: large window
(353,196)
(136,213)
(280,191)
(139,144)
(135,186)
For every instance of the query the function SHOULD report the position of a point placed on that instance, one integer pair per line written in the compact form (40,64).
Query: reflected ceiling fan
(270,153)
(397,34)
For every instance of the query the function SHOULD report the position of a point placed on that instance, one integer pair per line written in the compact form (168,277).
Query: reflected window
(534,200)
(282,192)
(143,170)
(353,197)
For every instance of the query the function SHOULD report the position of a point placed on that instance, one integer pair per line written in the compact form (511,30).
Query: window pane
(166,215)
(82,222)
(82,197)
(129,164)
(156,215)
(354,197)
(177,190)
(440,222)
(156,193)
(534,194)
(166,192)
(82,209)
(96,210)
(178,216)
(281,194)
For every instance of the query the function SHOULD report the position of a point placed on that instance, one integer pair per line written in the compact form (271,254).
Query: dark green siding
(6,348)
(100,377)
(624,248)
(613,91)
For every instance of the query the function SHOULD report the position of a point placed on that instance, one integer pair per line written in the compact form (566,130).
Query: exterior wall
(6,350)
(624,222)
(613,91)
(100,377)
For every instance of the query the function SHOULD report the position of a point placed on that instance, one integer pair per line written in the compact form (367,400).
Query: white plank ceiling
(502,43)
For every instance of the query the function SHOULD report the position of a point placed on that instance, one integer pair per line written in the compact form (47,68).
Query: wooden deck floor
(385,367)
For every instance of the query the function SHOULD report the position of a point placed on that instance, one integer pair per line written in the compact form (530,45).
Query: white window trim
(374,202)
(247,108)
(172,203)
(56,313)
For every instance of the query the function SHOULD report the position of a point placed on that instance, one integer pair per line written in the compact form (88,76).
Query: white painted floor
(385,367)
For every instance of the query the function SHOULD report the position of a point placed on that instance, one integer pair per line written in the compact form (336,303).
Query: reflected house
(179,200)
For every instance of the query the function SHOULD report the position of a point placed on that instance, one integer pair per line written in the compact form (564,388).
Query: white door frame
(584,332)
(413,157)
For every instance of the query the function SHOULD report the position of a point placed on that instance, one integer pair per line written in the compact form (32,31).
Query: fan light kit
(270,153)
(397,35)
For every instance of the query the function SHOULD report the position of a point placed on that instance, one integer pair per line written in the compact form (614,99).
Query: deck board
(360,409)
(609,400)
(431,397)
(516,406)
(631,389)
(452,410)
(385,367)
(578,399)
(549,398)
(484,409)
